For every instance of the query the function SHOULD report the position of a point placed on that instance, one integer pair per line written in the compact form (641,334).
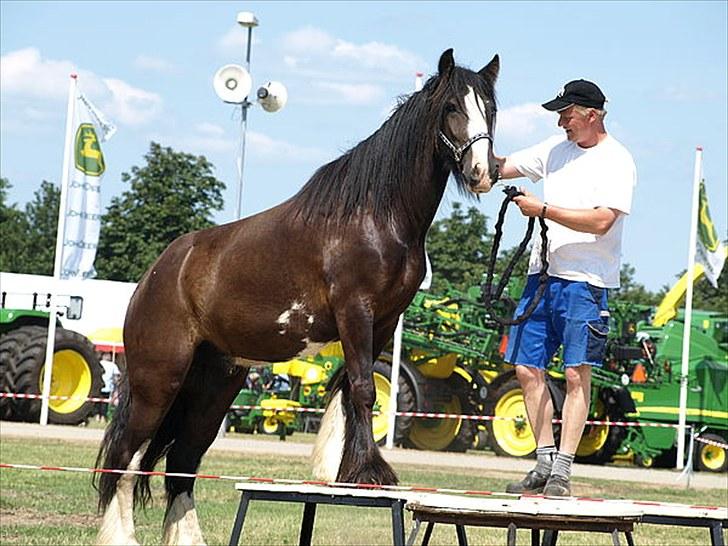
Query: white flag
(710,250)
(83,202)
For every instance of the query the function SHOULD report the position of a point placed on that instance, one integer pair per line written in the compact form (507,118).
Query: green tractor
(655,388)
(77,372)
(279,392)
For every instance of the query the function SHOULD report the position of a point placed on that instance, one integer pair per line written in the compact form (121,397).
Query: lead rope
(490,298)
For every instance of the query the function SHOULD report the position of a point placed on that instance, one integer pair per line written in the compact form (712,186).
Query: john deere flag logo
(86,168)
(89,158)
(710,252)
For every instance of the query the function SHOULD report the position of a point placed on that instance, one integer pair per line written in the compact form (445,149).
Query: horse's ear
(490,70)
(446,63)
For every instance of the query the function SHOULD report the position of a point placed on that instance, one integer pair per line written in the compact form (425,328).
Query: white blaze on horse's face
(475,163)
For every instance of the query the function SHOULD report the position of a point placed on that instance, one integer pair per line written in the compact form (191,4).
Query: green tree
(173,194)
(459,248)
(29,237)
(13,230)
(709,298)
(632,291)
(705,295)
(42,215)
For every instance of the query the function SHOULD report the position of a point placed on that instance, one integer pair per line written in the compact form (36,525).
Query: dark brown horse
(338,261)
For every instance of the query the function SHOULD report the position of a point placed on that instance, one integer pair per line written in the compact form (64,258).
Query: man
(588,182)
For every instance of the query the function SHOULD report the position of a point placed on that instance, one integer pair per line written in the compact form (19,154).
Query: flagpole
(688,309)
(60,230)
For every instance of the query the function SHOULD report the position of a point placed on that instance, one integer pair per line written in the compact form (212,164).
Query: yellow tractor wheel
(447,433)
(711,458)
(437,433)
(594,436)
(510,434)
(271,426)
(76,375)
(383,405)
(599,443)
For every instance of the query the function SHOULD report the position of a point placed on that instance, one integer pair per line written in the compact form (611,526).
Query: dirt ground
(484,461)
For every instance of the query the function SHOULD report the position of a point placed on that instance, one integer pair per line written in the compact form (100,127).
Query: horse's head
(467,121)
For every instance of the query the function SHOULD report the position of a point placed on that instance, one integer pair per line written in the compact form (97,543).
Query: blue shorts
(571,313)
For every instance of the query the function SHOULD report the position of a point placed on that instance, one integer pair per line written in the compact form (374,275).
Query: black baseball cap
(581,92)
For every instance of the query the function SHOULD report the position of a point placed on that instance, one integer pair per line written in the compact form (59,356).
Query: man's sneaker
(533,483)
(557,486)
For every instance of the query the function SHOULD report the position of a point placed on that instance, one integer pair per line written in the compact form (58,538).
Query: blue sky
(149,65)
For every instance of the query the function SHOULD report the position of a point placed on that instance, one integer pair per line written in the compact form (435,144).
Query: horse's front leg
(361,461)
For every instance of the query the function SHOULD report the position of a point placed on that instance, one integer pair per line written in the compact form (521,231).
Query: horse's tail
(105,482)
(329,447)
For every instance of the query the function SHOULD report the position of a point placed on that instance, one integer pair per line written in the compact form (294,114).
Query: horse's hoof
(376,471)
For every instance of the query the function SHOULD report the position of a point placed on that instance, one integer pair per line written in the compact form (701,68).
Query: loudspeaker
(272,96)
(232,83)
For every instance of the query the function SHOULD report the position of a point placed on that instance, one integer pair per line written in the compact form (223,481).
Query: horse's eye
(449,108)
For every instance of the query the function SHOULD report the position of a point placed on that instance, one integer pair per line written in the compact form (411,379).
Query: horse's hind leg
(149,393)
(210,387)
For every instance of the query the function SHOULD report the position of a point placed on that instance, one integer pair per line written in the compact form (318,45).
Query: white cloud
(377,55)
(350,93)
(234,42)
(266,148)
(310,46)
(309,39)
(24,72)
(26,76)
(210,129)
(131,105)
(154,64)
(527,122)
(210,139)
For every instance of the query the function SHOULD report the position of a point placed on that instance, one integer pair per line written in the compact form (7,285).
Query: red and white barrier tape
(52,397)
(283,481)
(426,415)
(711,442)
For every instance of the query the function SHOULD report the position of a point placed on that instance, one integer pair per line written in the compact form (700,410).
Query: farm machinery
(77,372)
(452,363)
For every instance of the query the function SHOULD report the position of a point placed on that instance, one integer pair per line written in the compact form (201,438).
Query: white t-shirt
(581,178)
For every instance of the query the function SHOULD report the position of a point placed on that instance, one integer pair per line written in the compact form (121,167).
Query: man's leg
(537,398)
(576,406)
(540,413)
(530,348)
(575,411)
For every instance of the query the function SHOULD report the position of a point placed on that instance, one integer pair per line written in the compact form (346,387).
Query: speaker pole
(248,20)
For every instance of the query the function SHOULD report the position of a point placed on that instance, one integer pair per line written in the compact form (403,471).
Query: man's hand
(529,204)
(597,220)
(505,169)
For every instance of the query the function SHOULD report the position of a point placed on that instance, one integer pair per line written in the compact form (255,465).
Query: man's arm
(596,221)
(506,169)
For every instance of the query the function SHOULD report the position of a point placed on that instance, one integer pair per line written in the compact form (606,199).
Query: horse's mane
(381,173)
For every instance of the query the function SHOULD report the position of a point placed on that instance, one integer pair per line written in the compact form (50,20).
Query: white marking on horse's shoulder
(284,318)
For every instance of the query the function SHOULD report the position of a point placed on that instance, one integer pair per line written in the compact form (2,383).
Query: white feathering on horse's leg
(181,525)
(329,447)
(117,526)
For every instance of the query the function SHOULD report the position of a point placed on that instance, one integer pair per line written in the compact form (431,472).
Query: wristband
(543,211)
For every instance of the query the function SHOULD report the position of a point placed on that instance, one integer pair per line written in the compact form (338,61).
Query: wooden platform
(534,513)
(539,514)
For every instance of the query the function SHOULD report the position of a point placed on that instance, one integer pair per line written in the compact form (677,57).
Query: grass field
(60,507)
